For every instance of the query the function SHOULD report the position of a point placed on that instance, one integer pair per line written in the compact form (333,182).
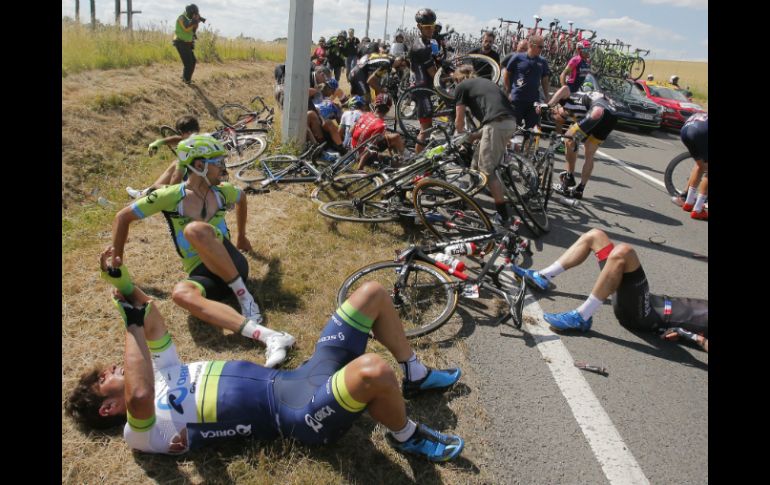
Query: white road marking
(616,460)
(631,169)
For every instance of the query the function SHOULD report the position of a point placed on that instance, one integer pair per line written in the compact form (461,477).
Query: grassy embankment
(298,262)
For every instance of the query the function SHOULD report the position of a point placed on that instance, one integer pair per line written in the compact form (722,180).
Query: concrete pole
(93,14)
(130,12)
(403,11)
(368,12)
(385,34)
(294,123)
(77,11)
(117,13)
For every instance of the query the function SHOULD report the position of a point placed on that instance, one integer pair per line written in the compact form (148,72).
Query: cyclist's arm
(459,118)
(120,229)
(242,242)
(191,27)
(506,82)
(374,80)
(545,81)
(140,382)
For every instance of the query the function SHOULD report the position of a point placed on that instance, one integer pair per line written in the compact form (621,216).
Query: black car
(633,108)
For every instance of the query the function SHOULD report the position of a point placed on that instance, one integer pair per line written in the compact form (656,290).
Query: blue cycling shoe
(568,321)
(532,277)
(439,380)
(429,443)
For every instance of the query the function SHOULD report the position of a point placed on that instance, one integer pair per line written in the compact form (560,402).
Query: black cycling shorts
(637,309)
(358,85)
(423,104)
(215,288)
(695,137)
(598,129)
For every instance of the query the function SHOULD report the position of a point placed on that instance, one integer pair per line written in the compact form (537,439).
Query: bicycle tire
(345,187)
(405,105)
(415,304)
(637,69)
(447,212)
(443,84)
(468,180)
(528,193)
(516,202)
(677,174)
(232,114)
(249,148)
(254,171)
(367,211)
(546,184)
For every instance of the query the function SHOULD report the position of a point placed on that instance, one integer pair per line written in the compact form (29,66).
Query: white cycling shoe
(277,348)
(135,194)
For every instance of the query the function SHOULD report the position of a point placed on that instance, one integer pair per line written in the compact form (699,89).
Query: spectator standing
(481,68)
(184,39)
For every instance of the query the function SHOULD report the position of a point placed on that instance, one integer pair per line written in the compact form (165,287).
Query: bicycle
(242,147)
(424,294)
(677,174)
(239,117)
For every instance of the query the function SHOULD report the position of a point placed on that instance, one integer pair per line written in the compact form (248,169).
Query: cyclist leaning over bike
(490,107)
(599,121)
(623,278)
(369,72)
(574,75)
(695,136)
(195,212)
(422,61)
(522,79)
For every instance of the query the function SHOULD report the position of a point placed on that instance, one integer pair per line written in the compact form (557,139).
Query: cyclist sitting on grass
(170,407)
(634,306)
(349,118)
(372,124)
(322,119)
(195,211)
(187,126)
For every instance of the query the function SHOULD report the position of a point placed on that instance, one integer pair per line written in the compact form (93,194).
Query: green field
(692,74)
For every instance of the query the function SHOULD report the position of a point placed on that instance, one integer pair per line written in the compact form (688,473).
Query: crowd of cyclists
(317,402)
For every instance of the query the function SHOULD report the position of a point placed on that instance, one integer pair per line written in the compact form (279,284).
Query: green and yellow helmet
(198,146)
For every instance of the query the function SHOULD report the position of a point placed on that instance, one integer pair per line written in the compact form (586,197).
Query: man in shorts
(195,212)
(490,107)
(622,275)
(695,136)
(171,407)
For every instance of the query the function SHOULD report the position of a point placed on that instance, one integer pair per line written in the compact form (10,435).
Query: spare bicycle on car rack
(424,294)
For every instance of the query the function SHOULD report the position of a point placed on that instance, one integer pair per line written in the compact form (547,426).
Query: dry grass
(693,74)
(298,262)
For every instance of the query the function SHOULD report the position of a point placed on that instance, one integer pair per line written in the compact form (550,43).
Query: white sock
(589,307)
(413,369)
(406,432)
(691,194)
(243,295)
(550,272)
(699,203)
(252,329)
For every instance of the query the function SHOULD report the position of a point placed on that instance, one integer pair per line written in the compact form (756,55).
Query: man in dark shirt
(498,123)
(421,61)
(351,52)
(522,79)
(482,69)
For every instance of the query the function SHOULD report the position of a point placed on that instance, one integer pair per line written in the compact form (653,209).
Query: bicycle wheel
(678,174)
(406,110)
(447,212)
(255,171)
(546,183)
(445,85)
(637,68)
(362,211)
(245,149)
(507,178)
(469,181)
(345,187)
(526,184)
(424,303)
(235,115)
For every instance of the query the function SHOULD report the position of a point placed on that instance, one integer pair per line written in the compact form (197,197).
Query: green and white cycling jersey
(201,402)
(170,200)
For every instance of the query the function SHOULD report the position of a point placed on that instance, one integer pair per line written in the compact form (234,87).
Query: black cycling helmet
(425,16)
(343,34)
(191,10)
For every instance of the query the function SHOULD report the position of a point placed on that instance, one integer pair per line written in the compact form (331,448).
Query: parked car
(676,106)
(632,108)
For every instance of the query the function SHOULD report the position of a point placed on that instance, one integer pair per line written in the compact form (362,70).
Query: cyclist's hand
(152,148)
(114,272)
(243,244)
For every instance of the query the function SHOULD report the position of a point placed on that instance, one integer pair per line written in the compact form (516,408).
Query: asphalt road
(647,420)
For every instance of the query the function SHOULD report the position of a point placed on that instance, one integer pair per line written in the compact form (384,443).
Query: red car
(676,106)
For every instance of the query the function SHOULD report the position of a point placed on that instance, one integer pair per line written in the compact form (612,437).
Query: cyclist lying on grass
(187,126)
(171,407)
(372,124)
(622,274)
(195,211)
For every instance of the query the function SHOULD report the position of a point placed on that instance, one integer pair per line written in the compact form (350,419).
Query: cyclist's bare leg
(395,142)
(188,296)
(314,123)
(588,163)
(561,93)
(424,125)
(622,259)
(700,170)
(589,242)
(369,379)
(330,127)
(570,154)
(211,250)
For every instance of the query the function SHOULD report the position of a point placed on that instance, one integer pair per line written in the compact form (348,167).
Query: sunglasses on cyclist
(219,162)
(427,25)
